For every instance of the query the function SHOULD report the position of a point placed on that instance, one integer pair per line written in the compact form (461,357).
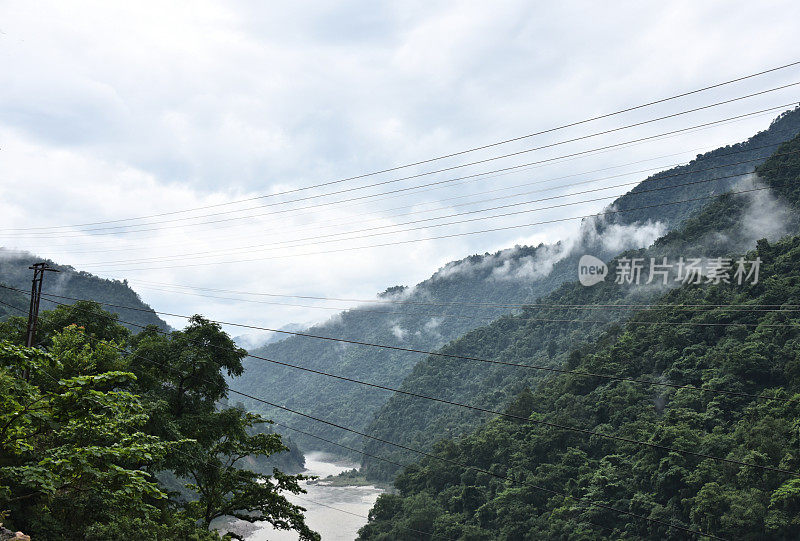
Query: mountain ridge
(546,335)
(69,282)
(516,275)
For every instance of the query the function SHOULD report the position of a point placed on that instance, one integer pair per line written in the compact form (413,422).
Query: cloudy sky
(118,110)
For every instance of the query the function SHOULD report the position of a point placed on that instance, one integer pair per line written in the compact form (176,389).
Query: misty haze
(399,271)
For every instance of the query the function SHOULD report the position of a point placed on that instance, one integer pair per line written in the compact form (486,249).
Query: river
(332,524)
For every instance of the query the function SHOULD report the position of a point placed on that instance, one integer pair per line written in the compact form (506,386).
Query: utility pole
(36,294)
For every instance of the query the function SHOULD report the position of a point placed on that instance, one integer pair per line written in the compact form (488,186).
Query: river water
(332,524)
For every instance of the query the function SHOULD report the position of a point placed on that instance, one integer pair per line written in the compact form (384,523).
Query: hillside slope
(548,335)
(10,298)
(422,318)
(700,342)
(14,272)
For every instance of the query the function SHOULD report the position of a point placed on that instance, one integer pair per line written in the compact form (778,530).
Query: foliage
(753,353)
(10,298)
(86,428)
(71,448)
(475,279)
(550,337)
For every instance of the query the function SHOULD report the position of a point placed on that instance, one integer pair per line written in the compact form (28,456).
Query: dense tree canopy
(90,417)
(549,333)
(753,353)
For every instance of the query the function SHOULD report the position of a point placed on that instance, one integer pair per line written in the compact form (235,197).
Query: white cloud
(618,237)
(112,110)
(766,216)
(399,332)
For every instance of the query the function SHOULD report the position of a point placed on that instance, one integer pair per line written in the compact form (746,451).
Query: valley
(399,271)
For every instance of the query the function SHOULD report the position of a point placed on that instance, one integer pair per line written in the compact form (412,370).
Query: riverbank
(334,507)
(348,478)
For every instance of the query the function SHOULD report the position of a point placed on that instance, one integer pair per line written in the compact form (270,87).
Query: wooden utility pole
(36,294)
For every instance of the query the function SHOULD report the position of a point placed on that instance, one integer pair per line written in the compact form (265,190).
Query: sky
(120,110)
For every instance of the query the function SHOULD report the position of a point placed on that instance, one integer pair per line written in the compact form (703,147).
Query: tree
(83,436)
(225,489)
(72,448)
(185,382)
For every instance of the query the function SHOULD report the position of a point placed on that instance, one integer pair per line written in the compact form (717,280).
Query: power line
(441,157)
(279,245)
(549,320)
(453,198)
(451,235)
(333,222)
(428,202)
(541,422)
(457,316)
(776,307)
(680,323)
(548,424)
(466,357)
(419,175)
(476,468)
(282,244)
(658,178)
(424,188)
(465,466)
(445,185)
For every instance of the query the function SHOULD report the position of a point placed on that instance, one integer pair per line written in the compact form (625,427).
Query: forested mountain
(12,298)
(716,335)
(757,148)
(756,354)
(423,316)
(548,335)
(14,272)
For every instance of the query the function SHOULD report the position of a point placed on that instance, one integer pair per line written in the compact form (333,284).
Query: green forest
(109,435)
(699,433)
(754,354)
(115,426)
(549,336)
(518,275)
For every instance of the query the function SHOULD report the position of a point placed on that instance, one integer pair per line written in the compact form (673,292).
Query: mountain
(255,341)
(700,335)
(428,316)
(550,336)
(9,298)
(14,272)
(757,148)
(691,337)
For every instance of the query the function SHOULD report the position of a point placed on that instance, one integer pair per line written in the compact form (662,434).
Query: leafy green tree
(72,448)
(83,436)
(226,489)
(185,375)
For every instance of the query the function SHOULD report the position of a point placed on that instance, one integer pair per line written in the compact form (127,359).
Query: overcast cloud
(114,110)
